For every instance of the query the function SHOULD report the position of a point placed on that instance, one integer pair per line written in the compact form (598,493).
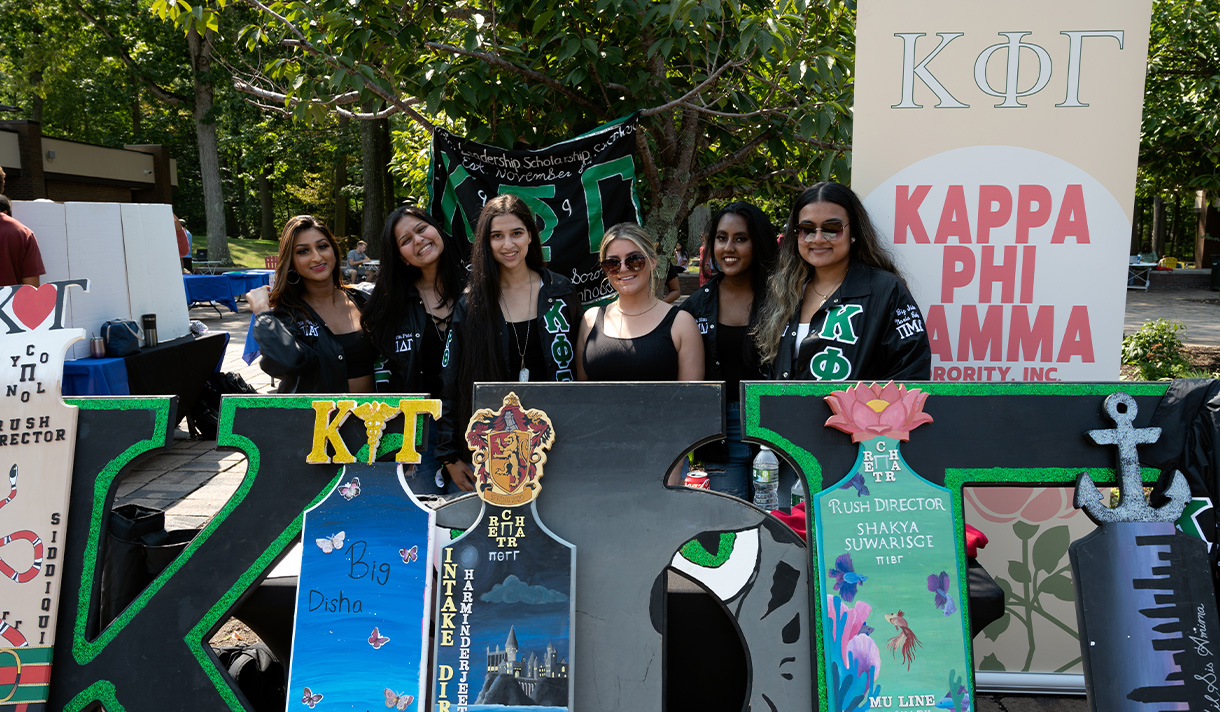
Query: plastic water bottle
(766,480)
(798,492)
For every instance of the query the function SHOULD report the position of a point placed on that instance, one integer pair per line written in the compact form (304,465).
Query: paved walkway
(192,480)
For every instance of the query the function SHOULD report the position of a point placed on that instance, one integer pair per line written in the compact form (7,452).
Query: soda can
(697,479)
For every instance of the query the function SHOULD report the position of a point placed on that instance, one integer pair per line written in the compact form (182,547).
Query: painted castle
(505,662)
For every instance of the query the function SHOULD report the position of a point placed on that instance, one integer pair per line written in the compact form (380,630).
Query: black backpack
(204,417)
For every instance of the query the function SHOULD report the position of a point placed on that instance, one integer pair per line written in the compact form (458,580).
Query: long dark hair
(397,278)
(289,294)
(481,356)
(786,286)
(763,247)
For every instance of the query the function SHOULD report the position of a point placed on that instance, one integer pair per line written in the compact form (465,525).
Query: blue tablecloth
(209,288)
(242,281)
(95,377)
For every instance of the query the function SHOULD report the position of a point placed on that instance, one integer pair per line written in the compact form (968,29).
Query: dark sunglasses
(635,262)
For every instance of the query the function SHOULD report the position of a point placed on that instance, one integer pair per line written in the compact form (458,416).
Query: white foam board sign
(95,252)
(154,270)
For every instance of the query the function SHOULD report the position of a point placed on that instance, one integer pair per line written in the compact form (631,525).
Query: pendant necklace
(523,376)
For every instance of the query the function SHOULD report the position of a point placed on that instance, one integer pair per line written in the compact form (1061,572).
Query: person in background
(672,288)
(355,262)
(725,309)
(308,325)
(680,258)
(184,243)
(408,317)
(20,258)
(637,337)
(836,307)
(516,322)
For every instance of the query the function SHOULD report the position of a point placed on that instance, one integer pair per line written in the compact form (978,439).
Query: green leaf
(542,20)
(997,628)
(1018,572)
(991,662)
(1059,586)
(1051,547)
(1024,530)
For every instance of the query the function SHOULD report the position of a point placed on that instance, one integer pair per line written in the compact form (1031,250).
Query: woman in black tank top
(637,337)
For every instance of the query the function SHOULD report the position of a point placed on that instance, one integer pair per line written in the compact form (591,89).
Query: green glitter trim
(195,638)
(101,691)
(694,552)
(754,391)
(84,650)
(455,533)
(956,478)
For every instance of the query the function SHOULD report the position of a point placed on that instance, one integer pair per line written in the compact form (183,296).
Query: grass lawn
(247,254)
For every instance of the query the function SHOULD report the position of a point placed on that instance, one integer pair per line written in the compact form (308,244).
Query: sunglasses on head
(635,262)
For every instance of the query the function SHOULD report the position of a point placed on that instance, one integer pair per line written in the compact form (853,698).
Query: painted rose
(1035,505)
(866,412)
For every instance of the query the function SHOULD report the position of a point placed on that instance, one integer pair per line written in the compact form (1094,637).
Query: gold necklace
(655,302)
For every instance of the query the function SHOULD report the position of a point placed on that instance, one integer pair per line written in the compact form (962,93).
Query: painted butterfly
(401,700)
(409,555)
(351,489)
(310,698)
(376,640)
(330,543)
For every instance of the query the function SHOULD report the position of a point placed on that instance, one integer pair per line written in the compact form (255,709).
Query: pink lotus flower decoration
(866,412)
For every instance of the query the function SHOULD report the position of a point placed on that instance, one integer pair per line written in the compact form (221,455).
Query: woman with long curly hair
(408,317)
(836,308)
(516,322)
(742,242)
(308,325)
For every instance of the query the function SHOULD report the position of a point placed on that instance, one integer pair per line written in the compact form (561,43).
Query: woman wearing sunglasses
(836,308)
(516,322)
(742,242)
(409,313)
(637,337)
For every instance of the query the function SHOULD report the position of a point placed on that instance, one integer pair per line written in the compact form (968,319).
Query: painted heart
(32,304)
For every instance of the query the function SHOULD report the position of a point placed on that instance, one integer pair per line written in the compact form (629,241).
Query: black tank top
(651,357)
(358,353)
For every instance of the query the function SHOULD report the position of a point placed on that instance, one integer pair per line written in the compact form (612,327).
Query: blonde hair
(637,236)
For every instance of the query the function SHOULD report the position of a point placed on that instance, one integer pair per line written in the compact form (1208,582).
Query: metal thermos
(149,322)
(97,347)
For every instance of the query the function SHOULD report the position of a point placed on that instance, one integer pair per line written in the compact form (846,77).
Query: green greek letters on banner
(622,168)
(451,208)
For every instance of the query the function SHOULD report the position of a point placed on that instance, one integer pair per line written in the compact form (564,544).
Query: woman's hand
(259,299)
(461,474)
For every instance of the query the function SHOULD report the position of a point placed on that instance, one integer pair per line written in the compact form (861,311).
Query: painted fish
(905,640)
(940,586)
(858,483)
(846,578)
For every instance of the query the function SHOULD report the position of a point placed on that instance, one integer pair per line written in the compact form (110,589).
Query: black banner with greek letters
(577,189)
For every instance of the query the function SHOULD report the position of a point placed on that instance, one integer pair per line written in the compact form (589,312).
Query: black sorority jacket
(302,352)
(704,305)
(870,329)
(558,320)
(401,361)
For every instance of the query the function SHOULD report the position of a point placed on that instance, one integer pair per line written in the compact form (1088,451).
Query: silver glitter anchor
(1132,505)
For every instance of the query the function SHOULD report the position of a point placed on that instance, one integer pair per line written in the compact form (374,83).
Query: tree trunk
(374,186)
(1158,226)
(339,224)
(386,146)
(35,99)
(266,216)
(209,154)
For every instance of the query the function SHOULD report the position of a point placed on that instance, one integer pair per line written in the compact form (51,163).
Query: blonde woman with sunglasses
(836,307)
(637,337)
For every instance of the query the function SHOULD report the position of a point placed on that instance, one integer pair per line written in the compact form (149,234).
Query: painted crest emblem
(508,447)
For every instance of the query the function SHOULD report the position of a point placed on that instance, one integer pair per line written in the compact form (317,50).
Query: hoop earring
(292,274)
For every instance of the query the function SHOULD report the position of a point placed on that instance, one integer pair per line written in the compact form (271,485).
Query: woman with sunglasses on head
(409,313)
(837,309)
(637,337)
(308,326)
(516,322)
(741,240)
